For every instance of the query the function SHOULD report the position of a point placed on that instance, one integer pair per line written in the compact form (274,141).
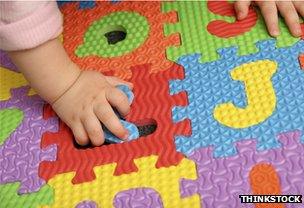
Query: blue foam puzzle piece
(132,129)
(210,84)
(82,4)
(89,4)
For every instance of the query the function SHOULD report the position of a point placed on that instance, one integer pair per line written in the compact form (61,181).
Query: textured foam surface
(237,114)
(9,197)
(195,38)
(210,85)
(139,197)
(10,79)
(21,154)
(10,120)
(6,62)
(164,180)
(146,107)
(228,177)
(78,31)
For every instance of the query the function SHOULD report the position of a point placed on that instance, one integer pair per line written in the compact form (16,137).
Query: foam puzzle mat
(226,101)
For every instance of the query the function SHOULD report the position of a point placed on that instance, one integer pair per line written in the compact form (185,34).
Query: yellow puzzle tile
(166,181)
(10,79)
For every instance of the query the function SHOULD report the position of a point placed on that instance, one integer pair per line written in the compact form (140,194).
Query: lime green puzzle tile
(10,119)
(95,42)
(10,199)
(194,17)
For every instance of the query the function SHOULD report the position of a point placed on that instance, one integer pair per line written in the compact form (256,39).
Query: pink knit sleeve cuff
(44,24)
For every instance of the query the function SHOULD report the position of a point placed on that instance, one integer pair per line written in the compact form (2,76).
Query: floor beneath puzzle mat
(218,105)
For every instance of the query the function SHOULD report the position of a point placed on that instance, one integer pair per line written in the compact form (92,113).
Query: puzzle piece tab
(164,180)
(210,85)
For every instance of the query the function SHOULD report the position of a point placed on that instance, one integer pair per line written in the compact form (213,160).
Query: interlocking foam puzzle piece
(10,79)
(152,102)
(164,180)
(6,62)
(209,86)
(152,50)
(221,180)
(131,128)
(10,199)
(21,154)
(264,180)
(144,197)
(10,119)
(192,27)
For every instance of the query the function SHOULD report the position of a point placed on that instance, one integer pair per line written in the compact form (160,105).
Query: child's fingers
(291,17)
(241,9)
(106,115)
(116,81)
(93,128)
(299,5)
(80,134)
(270,14)
(118,100)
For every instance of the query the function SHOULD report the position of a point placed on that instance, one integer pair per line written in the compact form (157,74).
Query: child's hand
(288,9)
(87,102)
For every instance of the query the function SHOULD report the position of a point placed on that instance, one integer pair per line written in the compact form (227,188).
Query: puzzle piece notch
(16,161)
(151,51)
(229,176)
(152,101)
(195,37)
(163,180)
(287,83)
(10,199)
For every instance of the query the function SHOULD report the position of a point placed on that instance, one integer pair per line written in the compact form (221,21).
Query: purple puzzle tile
(6,62)
(138,198)
(221,180)
(20,154)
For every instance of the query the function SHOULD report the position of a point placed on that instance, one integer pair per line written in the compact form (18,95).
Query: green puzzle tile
(96,43)
(10,199)
(196,39)
(10,119)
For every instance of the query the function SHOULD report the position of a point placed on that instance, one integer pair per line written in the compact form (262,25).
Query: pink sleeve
(25,25)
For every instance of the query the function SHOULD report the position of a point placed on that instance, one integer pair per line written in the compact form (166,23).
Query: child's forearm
(47,68)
